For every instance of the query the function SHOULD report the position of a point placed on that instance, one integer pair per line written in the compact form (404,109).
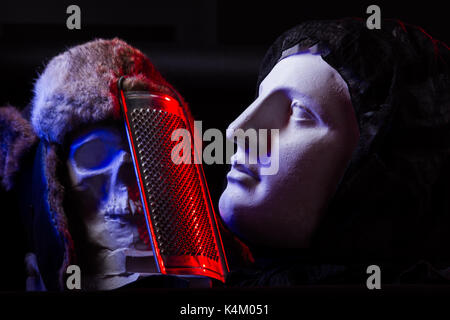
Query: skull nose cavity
(125,174)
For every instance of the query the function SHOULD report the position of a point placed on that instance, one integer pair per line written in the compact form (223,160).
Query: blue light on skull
(104,187)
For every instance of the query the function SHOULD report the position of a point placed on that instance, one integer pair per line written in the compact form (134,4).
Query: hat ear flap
(16,138)
(52,241)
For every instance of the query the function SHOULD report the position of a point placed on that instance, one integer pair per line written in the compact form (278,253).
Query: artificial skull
(105,193)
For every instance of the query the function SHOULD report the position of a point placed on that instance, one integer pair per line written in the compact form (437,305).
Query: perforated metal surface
(175,199)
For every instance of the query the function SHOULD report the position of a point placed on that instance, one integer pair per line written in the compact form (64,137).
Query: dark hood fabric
(392,207)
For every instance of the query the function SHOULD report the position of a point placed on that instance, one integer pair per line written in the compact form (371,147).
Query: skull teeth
(135,206)
(132,206)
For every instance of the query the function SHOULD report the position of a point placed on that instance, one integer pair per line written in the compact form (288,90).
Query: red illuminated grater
(180,218)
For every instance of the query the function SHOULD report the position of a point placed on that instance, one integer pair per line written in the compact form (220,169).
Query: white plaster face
(105,189)
(309,102)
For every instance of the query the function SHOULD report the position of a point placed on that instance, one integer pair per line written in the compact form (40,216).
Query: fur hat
(79,86)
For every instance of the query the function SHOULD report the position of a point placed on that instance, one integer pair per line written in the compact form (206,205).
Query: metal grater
(180,218)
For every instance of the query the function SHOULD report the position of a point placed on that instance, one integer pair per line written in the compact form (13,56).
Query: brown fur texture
(55,200)
(16,138)
(79,86)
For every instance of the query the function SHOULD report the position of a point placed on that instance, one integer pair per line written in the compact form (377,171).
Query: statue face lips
(308,102)
(242,173)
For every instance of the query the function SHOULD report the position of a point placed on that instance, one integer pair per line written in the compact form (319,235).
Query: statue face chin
(309,103)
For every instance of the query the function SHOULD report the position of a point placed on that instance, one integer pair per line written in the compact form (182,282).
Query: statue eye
(300,112)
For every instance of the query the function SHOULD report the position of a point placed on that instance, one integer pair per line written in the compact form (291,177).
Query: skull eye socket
(93,154)
(96,148)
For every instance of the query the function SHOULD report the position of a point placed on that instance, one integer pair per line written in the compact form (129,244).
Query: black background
(209,50)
